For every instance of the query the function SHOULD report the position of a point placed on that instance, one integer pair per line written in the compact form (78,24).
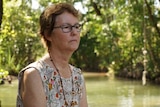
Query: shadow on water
(117,92)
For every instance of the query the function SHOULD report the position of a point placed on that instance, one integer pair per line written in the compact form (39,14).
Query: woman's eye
(77,26)
(65,27)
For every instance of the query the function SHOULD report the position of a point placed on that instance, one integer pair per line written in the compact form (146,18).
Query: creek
(103,91)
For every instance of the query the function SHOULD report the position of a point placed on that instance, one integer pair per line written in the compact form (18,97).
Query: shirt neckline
(46,64)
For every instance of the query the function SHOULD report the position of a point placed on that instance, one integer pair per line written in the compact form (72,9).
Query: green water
(107,92)
(8,94)
(102,92)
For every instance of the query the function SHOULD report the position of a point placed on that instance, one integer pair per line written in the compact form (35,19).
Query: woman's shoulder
(76,71)
(31,74)
(31,68)
(39,64)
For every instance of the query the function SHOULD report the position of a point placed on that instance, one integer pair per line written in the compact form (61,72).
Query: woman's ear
(47,36)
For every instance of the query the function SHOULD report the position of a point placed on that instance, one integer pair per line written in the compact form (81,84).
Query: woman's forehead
(66,17)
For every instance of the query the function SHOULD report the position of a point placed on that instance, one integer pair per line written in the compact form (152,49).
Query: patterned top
(52,85)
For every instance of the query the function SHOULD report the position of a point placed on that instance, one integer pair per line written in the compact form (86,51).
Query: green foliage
(19,44)
(84,56)
(3,73)
(113,35)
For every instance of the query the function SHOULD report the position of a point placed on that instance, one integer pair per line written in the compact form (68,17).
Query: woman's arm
(32,91)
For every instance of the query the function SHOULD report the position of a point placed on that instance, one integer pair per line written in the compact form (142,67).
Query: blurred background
(119,52)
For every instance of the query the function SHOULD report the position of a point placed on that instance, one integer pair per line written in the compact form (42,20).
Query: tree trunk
(150,49)
(152,17)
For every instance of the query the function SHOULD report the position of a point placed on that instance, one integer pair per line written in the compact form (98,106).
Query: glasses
(68,28)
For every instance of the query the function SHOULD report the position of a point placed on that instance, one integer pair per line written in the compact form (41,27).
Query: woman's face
(62,40)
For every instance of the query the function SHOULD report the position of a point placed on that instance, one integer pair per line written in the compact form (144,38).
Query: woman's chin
(73,48)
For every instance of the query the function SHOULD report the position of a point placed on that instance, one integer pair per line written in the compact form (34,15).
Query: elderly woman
(52,81)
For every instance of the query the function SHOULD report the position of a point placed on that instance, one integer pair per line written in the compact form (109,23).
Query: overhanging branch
(152,17)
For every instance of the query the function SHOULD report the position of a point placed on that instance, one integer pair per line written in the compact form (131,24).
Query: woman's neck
(59,57)
(60,61)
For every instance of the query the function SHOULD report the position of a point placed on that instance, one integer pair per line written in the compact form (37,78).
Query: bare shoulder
(31,79)
(33,93)
(31,73)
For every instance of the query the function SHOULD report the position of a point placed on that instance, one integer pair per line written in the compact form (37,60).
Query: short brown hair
(48,17)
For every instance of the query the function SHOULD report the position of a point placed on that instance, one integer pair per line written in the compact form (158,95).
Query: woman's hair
(48,17)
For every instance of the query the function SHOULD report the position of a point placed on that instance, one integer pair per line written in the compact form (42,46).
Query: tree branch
(152,18)
(96,9)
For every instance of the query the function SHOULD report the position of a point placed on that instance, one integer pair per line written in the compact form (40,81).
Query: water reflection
(125,101)
(125,95)
(117,92)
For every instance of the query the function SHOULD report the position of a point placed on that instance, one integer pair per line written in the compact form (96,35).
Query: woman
(52,81)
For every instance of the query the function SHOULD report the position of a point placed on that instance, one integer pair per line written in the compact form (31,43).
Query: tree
(112,35)
(1,11)
(19,36)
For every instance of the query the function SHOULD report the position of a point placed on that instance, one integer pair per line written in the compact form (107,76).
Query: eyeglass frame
(70,27)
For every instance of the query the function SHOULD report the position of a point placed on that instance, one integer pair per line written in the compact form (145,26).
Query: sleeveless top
(52,85)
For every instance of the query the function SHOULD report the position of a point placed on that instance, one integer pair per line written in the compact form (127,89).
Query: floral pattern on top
(52,85)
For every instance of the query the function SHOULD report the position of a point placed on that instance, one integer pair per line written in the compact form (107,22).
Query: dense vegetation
(120,34)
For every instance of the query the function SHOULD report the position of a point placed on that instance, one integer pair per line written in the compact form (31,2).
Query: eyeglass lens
(68,28)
